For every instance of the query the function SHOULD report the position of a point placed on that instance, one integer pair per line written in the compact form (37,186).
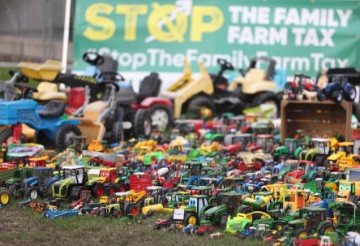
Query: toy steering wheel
(93,58)
(110,76)
(25,90)
(225,65)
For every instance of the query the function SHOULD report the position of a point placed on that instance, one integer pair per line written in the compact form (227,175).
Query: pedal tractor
(47,122)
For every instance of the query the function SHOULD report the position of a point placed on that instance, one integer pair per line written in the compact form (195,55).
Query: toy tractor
(256,85)
(312,220)
(47,123)
(191,214)
(104,119)
(125,204)
(75,178)
(289,150)
(227,203)
(338,89)
(201,97)
(346,216)
(318,153)
(302,85)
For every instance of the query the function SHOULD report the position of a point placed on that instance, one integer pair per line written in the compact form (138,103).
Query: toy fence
(321,119)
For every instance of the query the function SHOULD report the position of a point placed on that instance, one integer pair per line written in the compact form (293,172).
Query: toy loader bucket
(91,130)
(41,71)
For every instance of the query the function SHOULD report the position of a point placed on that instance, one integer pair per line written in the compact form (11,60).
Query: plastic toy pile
(123,156)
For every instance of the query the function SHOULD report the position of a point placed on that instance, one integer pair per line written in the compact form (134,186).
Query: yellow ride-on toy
(256,86)
(204,96)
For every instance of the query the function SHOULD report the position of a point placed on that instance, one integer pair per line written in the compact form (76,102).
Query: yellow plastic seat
(48,91)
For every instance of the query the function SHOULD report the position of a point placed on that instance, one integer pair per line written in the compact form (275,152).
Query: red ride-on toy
(300,83)
(160,109)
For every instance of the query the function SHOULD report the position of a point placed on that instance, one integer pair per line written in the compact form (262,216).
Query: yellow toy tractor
(256,86)
(204,96)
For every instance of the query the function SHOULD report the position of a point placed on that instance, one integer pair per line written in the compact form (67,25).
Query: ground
(23,226)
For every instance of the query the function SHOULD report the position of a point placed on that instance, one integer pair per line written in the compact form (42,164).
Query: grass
(23,226)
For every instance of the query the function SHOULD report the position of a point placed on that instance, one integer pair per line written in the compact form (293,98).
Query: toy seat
(41,71)
(93,110)
(48,91)
(255,74)
(55,108)
(149,87)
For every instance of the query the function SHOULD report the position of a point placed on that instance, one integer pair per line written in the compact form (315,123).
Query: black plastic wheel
(337,96)
(350,94)
(142,123)
(321,95)
(199,103)
(65,136)
(6,135)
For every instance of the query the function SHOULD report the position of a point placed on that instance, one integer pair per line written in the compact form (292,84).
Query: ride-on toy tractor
(201,97)
(159,108)
(256,85)
(49,126)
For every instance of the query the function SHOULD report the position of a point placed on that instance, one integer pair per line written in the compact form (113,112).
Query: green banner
(303,36)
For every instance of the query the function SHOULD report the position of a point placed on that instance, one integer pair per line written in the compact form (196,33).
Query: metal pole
(66,35)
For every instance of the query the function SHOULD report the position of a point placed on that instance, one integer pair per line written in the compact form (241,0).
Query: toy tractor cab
(256,85)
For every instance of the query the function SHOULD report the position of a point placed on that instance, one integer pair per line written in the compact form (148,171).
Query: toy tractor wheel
(279,226)
(337,96)
(321,95)
(289,89)
(116,213)
(122,187)
(110,190)
(134,210)
(4,197)
(118,131)
(6,137)
(350,94)
(142,123)
(32,193)
(191,219)
(325,228)
(301,233)
(98,190)
(161,117)
(270,99)
(66,136)
(200,107)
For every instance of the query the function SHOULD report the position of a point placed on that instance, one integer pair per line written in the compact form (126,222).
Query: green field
(23,226)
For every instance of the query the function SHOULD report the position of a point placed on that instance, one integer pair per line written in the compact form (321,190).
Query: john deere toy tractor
(312,220)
